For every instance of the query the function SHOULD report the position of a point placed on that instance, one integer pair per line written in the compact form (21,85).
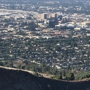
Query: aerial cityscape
(51,37)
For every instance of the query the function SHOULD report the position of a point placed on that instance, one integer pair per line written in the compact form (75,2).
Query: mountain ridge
(21,80)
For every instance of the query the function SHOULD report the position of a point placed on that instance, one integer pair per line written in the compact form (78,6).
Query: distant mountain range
(20,80)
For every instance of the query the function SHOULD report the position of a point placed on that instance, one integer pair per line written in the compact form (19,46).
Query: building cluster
(64,21)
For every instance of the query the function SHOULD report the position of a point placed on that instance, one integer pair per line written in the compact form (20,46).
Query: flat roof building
(44,16)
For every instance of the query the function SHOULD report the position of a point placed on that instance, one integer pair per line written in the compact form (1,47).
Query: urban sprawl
(52,34)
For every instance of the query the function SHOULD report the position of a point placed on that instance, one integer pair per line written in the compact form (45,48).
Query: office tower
(44,16)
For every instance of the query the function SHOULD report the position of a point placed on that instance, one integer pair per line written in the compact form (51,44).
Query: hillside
(21,80)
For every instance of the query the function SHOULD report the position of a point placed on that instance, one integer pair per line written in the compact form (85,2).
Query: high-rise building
(60,17)
(44,16)
(53,15)
(53,22)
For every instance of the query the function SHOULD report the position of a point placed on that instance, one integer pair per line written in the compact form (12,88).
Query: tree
(70,76)
(60,76)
